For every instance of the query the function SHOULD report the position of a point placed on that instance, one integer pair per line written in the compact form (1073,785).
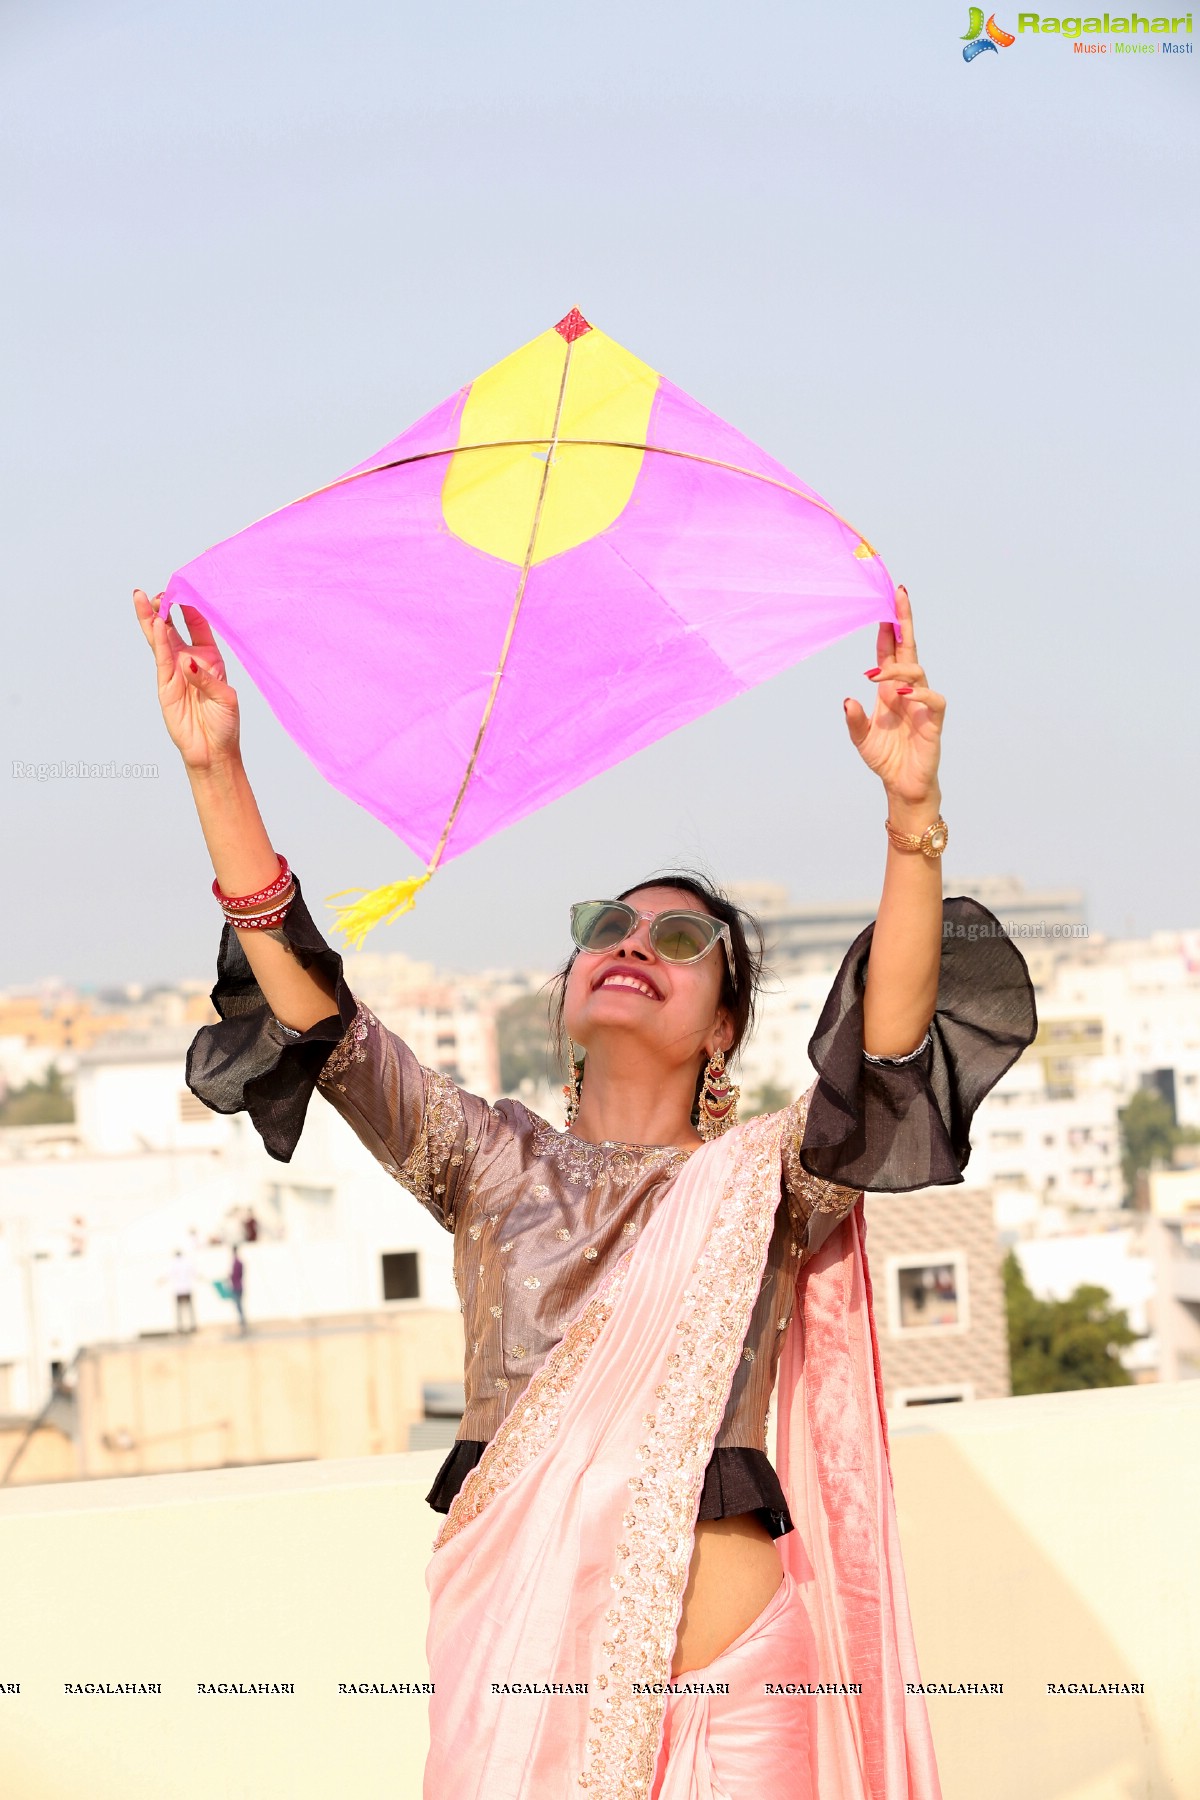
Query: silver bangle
(895,1061)
(288,1030)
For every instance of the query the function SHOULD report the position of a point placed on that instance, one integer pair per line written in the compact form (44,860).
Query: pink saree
(557,1579)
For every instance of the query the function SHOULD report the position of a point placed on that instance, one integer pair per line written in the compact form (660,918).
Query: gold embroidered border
(653,1558)
(808,1193)
(587,1163)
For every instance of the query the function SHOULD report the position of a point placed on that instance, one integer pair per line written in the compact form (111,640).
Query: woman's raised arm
(901,743)
(932,1002)
(200,711)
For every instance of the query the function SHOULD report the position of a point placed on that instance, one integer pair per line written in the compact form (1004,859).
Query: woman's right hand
(199,707)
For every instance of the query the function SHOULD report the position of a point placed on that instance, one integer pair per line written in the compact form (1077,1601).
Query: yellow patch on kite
(863,551)
(490,497)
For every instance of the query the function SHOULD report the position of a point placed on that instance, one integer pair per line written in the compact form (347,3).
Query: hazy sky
(247,244)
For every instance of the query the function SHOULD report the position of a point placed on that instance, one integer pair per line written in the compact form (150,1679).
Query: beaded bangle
(270,913)
(246,902)
(910,1056)
(260,921)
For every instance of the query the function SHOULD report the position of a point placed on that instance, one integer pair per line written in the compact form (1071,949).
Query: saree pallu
(557,1579)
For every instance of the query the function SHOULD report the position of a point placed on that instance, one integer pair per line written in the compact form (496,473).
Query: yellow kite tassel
(376,906)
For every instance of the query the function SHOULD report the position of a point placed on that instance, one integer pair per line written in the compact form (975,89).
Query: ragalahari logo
(974,40)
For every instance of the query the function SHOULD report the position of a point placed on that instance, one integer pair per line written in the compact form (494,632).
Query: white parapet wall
(1050,1543)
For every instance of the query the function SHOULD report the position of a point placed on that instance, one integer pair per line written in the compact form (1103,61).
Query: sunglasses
(678,937)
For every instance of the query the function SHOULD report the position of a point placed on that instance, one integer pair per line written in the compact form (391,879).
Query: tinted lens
(601,924)
(682,937)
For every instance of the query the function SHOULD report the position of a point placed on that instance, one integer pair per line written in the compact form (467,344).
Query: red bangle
(245,901)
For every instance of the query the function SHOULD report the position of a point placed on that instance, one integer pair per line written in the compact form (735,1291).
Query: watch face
(939,837)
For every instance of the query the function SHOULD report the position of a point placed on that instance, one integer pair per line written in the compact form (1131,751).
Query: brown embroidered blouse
(538,1214)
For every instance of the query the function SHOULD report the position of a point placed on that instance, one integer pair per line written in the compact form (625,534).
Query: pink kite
(563,562)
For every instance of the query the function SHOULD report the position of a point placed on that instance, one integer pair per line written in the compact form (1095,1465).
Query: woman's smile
(623,978)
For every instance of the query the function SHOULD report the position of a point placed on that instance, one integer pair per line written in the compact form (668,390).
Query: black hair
(746,941)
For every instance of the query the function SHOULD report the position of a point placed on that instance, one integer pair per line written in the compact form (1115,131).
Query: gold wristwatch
(931,842)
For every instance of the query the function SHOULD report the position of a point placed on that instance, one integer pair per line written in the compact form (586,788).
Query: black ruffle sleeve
(247,1062)
(891,1127)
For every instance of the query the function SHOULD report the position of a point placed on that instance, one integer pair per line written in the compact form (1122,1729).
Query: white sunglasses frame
(722,934)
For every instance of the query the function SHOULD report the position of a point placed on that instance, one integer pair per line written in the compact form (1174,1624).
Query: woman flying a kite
(628,1597)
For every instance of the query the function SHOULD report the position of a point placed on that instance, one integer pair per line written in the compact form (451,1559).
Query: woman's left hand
(901,741)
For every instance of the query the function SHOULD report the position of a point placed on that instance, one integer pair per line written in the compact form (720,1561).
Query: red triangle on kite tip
(573,326)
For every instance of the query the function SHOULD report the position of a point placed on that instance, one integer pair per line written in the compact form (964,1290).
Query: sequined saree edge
(651,1561)
(653,1558)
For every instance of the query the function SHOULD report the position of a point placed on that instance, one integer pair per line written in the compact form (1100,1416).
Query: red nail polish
(192,665)
(870,672)
(845,706)
(904,689)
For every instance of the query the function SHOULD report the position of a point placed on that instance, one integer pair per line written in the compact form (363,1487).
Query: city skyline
(1024,903)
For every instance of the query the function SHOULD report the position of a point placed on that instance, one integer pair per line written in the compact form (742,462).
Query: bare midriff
(735,1573)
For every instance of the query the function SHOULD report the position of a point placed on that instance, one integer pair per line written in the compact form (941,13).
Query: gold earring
(573,1088)
(718,1098)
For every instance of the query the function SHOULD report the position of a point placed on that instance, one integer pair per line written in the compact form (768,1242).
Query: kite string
(512,618)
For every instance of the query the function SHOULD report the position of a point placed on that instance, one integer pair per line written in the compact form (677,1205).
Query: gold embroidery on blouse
(442,1118)
(807,1193)
(349,1049)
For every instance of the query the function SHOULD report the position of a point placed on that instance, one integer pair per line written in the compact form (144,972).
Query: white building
(1114,1015)
(145,1162)
(145,1165)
